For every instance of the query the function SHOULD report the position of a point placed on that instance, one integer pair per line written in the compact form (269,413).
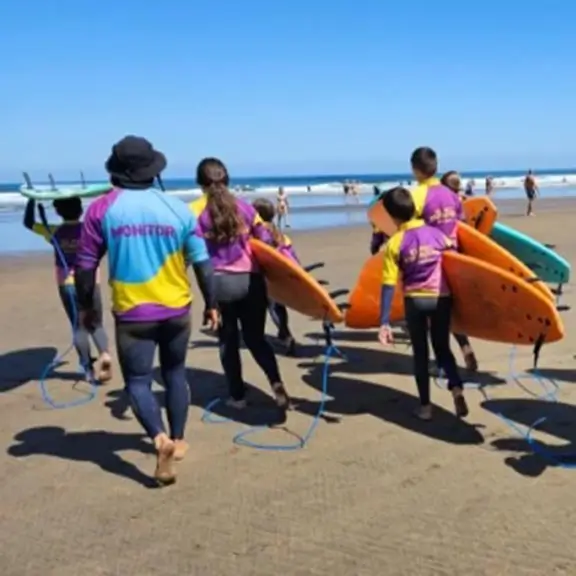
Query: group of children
(152,238)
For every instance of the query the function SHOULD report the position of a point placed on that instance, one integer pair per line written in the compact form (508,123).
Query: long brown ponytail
(227,224)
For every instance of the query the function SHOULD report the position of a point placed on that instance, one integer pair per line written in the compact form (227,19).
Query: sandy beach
(374,493)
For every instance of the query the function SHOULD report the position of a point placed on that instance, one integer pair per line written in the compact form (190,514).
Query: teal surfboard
(546,264)
(54,192)
(47,193)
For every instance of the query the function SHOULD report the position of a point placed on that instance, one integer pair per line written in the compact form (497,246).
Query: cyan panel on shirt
(143,228)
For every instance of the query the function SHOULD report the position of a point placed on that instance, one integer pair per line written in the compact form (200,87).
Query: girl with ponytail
(227,223)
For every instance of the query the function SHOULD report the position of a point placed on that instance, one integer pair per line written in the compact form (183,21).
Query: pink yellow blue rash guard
(149,238)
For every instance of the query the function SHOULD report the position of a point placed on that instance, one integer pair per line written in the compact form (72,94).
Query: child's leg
(440,336)
(467,351)
(282,316)
(100,339)
(417,325)
(81,342)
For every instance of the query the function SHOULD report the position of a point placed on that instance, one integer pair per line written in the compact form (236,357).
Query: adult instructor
(149,238)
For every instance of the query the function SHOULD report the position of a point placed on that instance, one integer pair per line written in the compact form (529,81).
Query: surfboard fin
(27,180)
(314,266)
(550,246)
(344,306)
(562,307)
(537,348)
(323,282)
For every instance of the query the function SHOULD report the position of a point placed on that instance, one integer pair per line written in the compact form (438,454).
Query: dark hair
(425,161)
(227,223)
(399,203)
(68,208)
(267,212)
(452,180)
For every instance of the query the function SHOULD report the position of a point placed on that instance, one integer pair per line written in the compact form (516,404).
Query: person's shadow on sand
(206,387)
(99,447)
(19,367)
(351,395)
(560,421)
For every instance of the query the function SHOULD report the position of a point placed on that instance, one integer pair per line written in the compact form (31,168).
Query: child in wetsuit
(451,180)
(65,236)
(414,253)
(438,206)
(283,244)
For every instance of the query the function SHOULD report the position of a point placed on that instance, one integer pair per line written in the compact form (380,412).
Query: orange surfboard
(289,284)
(480,213)
(490,302)
(474,243)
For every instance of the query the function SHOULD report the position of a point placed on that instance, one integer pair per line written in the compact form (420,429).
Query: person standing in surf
(227,223)
(489,186)
(149,238)
(282,208)
(414,255)
(531,189)
(64,237)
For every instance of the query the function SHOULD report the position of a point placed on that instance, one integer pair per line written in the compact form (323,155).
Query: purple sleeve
(92,244)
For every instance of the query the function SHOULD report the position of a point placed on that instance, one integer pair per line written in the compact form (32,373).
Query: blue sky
(287,87)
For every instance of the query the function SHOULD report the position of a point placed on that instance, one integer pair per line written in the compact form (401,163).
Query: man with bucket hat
(149,238)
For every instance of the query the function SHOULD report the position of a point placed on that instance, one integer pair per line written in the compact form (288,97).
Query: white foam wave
(14,199)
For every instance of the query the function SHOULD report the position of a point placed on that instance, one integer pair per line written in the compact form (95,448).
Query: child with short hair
(67,235)
(283,244)
(452,180)
(414,253)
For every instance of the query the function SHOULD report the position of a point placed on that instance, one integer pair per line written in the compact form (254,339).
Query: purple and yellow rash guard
(150,239)
(236,256)
(438,206)
(415,253)
(67,235)
(285,248)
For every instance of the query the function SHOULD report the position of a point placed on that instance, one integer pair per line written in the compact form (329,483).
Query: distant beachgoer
(346,187)
(469,191)
(282,208)
(531,189)
(67,235)
(355,189)
(489,186)
(308,188)
(376,190)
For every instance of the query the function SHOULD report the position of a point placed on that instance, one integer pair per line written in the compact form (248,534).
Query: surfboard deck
(480,213)
(489,303)
(47,193)
(474,243)
(544,262)
(289,284)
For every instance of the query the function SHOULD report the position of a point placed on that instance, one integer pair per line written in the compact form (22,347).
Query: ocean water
(315,201)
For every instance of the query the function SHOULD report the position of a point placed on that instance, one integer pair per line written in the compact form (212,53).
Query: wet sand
(374,493)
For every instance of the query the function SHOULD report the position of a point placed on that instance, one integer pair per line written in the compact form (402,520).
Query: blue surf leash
(242,437)
(550,390)
(58,358)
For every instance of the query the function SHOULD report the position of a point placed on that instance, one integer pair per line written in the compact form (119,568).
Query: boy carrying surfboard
(440,205)
(66,235)
(283,244)
(414,255)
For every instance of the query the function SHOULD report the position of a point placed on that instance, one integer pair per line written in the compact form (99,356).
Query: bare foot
(281,396)
(470,359)
(165,473)
(460,406)
(180,449)
(424,412)
(104,368)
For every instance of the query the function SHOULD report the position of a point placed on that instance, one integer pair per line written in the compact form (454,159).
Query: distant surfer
(469,190)
(489,186)
(282,208)
(531,189)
